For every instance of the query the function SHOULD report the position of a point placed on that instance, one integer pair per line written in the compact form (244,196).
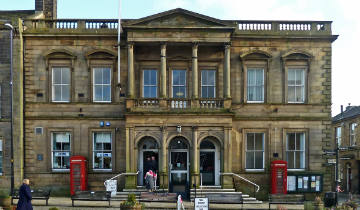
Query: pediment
(177,18)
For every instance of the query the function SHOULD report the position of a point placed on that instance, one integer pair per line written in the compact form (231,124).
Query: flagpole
(119,31)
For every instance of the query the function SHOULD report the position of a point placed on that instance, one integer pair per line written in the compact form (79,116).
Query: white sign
(111,185)
(331,161)
(201,203)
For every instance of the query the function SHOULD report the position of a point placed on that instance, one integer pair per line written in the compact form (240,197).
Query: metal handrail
(246,180)
(130,173)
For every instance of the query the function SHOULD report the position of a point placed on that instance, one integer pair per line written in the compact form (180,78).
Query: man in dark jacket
(24,202)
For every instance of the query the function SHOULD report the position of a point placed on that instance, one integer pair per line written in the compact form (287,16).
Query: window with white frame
(179,83)
(295,150)
(102,150)
(296,85)
(61,149)
(255,85)
(338,135)
(353,134)
(255,148)
(1,157)
(208,83)
(150,84)
(102,84)
(60,84)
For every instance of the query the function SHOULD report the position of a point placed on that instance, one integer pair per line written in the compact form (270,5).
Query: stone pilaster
(163,72)
(195,85)
(164,163)
(227,93)
(195,172)
(131,72)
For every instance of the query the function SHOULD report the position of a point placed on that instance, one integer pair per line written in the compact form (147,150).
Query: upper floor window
(61,84)
(338,135)
(296,85)
(102,84)
(255,148)
(255,85)
(208,83)
(1,157)
(353,134)
(179,83)
(150,84)
(60,150)
(295,150)
(102,150)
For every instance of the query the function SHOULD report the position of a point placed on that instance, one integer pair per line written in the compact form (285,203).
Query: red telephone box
(78,174)
(278,177)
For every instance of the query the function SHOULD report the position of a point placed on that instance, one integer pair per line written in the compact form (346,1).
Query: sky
(343,13)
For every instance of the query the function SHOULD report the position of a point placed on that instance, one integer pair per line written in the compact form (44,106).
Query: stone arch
(255,54)
(297,55)
(101,54)
(59,54)
(140,138)
(214,138)
(170,138)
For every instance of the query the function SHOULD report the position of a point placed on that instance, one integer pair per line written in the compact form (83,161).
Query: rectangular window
(1,157)
(338,135)
(255,85)
(150,86)
(353,134)
(179,83)
(102,150)
(102,84)
(295,150)
(60,84)
(61,150)
(254,151)
(208,83)
(296,85)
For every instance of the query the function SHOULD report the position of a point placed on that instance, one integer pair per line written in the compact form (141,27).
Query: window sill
(254,102)
(102,102)
(297,169)
(101,170)
(254,170)
(59,102)
(60,170)
(290,102)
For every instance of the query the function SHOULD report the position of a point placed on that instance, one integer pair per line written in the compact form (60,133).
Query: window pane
(302,158)
(259,141)
(298,160)
(65,93)
(56,75)
(299,93)
(251,77)
(176,77)
(204,77)
(106,93)
(299,77)
(57,93)
(153,92)
(250,160)
(65,76)
(98,93)
(211,77)
(251,93)
(107,161)
(98,76)
(106,75)
(259,160)
(98,160)
(259,93)
(250,141)
(204,92)
(259,77)
(290,159)
(291,77)
(153,77)
(291,141)
(291,94)
(211,92)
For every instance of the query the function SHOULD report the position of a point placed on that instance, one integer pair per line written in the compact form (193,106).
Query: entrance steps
(142,194)
(219,195)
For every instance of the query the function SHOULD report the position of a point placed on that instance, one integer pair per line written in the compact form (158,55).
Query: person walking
(24,202)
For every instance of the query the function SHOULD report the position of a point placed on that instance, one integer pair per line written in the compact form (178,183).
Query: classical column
(227,71)
(163,71)
(195,151)
(195,85)
(127,149)
(131,70)
(164,165)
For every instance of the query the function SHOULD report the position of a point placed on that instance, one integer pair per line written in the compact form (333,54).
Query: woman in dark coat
(24,202)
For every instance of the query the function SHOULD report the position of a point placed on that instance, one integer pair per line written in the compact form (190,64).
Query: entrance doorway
(348,178)
(179,166)
(209,162)
(148,158)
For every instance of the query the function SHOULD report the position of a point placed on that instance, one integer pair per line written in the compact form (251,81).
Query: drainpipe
(119,31)
(11,107)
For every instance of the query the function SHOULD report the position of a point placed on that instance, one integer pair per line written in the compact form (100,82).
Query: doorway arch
(148,148)
(210,161)
(179,165)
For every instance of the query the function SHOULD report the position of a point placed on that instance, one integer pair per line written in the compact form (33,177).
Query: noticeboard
(304,183)
(201,203)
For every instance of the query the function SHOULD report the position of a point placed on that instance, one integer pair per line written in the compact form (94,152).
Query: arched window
(178,143)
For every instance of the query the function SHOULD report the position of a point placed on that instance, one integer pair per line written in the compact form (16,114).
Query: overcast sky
(343,13)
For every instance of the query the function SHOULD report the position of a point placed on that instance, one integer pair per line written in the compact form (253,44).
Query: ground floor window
(102,152)
(295,150)
(254,151)
(61,150)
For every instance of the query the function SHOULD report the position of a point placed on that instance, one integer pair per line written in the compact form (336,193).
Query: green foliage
(4,194)
(53,208)
(131,201)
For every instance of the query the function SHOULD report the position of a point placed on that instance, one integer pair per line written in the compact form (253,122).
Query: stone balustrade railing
(176,103)
(243,26)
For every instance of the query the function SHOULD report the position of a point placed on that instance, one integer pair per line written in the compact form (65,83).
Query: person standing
(24,202)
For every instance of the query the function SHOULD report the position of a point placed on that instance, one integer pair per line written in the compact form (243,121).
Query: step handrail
(128,173)
(246,180)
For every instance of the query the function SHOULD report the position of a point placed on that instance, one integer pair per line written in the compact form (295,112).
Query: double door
(179,171)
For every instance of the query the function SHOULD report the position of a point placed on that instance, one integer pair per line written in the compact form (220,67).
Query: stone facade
(169,124)
(346,130)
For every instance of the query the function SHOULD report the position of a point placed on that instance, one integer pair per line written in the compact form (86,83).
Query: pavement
(65,203)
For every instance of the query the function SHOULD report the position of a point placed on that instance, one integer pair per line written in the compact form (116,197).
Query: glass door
(207,167)
(179,168)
